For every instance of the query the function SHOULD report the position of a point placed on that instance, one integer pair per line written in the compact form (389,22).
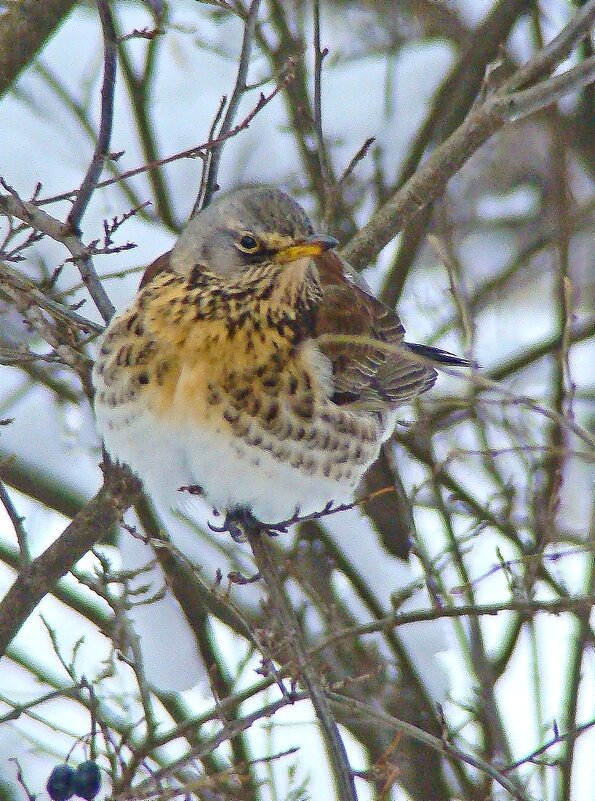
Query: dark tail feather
(437,355)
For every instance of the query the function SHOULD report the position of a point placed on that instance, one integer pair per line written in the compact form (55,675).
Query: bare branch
(521,104)
(269,572)
(212,166)
(119,491)
(352,707)
(325,167)
(13,206)
(484,120)
(146,788)
(17,522)
(558,606)
(110,48)
(358,156)
(14,279)
(198,151)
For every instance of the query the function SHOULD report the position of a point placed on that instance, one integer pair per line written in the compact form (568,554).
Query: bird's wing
(160,265)
(365,375)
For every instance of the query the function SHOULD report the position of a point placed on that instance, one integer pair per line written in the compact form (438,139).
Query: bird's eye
(248,243)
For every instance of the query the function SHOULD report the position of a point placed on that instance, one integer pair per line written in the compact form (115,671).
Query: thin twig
(205,157)
(118,492)
(327,511)
(212,165)
(359,155)
(555,607)
(319,56)
(277,47)
(21,780)
(16,710)
(447,257)
(17,522)
(575,671)
(326,172)
(497,283)
(146,788)
(530,403)
(450,106)
(89,184)
(517,105)
(12,205)
(81,113)
(350,706)
(18,281)
(64,340)
(198,151)
(555,740)
(230,704)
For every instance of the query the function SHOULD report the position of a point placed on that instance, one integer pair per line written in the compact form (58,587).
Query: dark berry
(87,780)
(60,784)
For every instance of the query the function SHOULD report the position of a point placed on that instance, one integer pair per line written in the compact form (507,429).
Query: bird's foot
(238,522)
(192,489)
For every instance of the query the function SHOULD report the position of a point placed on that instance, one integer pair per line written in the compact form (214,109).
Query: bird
(255,367)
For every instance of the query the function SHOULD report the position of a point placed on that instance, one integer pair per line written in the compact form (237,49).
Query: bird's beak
(312,246)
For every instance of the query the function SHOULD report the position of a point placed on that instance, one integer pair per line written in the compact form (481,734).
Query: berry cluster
(64,781)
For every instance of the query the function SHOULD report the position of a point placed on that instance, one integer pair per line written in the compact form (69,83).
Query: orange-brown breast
(361,373)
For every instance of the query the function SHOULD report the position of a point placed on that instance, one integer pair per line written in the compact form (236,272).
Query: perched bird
(223,375)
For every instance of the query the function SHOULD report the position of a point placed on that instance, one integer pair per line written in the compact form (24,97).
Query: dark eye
(248,243)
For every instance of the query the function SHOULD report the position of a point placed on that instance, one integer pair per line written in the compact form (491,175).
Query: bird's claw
(240,521)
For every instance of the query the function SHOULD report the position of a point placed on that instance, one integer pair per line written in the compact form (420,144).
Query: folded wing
(365,376)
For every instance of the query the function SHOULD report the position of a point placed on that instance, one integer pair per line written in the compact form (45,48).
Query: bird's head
(259,224)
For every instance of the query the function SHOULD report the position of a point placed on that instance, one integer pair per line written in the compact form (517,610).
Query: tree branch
(527,608)
(351,706)
(119,491)
(13,206)
(19,282)
(518,105)
(17,523)
(269,572)
(25,26)
(209,182)
(110,51)
(429,182)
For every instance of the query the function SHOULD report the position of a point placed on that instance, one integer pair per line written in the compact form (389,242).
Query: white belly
(231,473)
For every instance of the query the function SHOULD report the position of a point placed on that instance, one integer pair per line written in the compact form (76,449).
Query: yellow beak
(312,246)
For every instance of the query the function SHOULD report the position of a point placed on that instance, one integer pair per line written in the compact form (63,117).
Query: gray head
(247,226)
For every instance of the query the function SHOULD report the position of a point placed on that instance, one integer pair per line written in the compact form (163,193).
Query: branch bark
(13,206)
(268,570)
(429,182)
(119,491)
(110,48)
(25,26)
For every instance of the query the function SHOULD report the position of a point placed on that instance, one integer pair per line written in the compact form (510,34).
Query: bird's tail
(438,355)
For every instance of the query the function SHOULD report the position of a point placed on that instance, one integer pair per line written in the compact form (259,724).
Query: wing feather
(363,375)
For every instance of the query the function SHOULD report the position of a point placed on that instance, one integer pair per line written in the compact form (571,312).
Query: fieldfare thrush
(223,374)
